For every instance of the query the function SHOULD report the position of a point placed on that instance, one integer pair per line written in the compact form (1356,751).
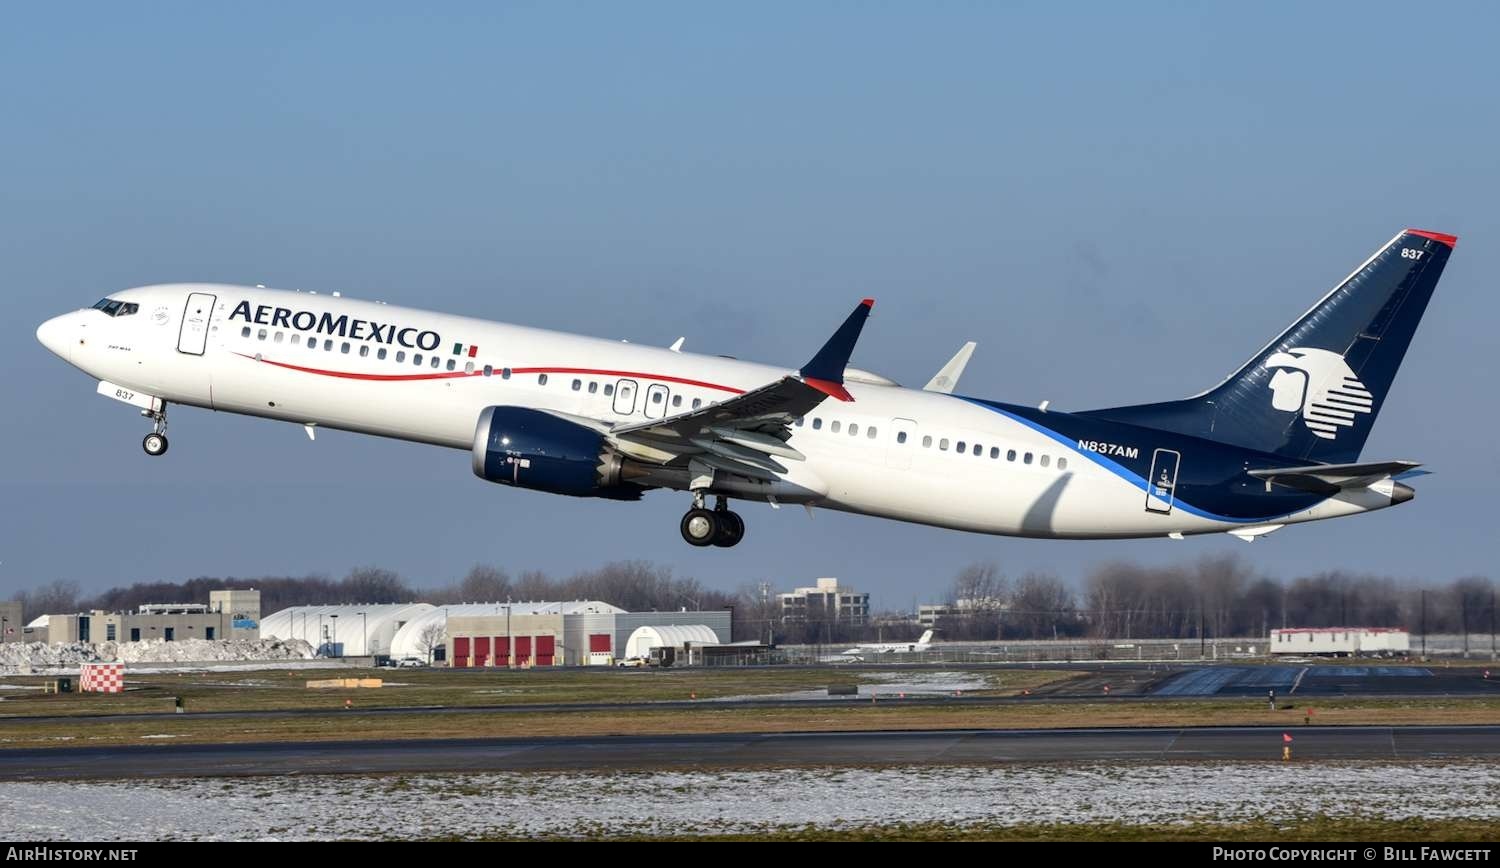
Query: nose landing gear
(155,443)
(716,527)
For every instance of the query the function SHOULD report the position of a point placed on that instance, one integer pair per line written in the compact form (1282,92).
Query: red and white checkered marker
(102,678)
(1286,738)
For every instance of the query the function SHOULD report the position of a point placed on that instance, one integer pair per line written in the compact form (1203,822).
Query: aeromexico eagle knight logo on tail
(1321,386)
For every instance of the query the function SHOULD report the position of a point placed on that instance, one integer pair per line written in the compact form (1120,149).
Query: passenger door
(1161,485)
(899,448)
(192,336)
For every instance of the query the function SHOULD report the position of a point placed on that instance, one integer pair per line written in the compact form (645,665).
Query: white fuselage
(422,376)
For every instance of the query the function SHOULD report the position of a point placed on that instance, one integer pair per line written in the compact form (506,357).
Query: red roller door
(544,650)
(461,652)
(502,650)
(599,642)
(481,651)
(523,650)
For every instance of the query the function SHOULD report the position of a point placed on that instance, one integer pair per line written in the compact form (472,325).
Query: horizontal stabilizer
(1333,478)
(946,380)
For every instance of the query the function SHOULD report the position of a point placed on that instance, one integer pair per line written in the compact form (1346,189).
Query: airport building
(227,615)
(365,630)
(469,635)
(827,600)
(1341,641)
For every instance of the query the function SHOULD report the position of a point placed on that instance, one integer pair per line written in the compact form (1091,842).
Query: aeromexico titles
(1277,442)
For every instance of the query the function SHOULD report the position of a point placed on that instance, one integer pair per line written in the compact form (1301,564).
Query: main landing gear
(155,443)
(716,527)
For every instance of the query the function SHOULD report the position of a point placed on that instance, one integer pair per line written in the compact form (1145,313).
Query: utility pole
(1424,623)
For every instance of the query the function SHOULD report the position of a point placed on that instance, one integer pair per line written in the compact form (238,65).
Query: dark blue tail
(1313,393)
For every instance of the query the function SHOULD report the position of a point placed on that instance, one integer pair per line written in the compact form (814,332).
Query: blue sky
(1119,202)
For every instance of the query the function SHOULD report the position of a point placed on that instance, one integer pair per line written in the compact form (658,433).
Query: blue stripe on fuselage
(1126,473)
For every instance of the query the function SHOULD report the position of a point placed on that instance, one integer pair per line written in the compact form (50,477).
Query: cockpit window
(111,307)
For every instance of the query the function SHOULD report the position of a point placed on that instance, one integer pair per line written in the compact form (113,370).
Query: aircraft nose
(56,335)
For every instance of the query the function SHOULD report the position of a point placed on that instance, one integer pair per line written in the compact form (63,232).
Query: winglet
(947,379)
(826,370)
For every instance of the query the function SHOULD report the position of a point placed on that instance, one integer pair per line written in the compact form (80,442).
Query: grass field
(274,689)
(280,691)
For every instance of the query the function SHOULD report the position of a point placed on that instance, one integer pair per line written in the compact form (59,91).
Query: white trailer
(1341,641)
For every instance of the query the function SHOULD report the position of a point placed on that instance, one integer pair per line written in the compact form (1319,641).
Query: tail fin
(926,638)
(1314,392)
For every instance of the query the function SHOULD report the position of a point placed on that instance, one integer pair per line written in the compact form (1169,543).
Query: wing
(746,435)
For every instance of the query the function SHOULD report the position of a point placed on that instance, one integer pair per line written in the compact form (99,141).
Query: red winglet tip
(1450,240)
(829,388)
(868,302)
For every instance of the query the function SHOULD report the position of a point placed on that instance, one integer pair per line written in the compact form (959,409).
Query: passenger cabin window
(943,444)
(468,367)
(676,400)
(401,355)
(609,389)
(1046,460)
(1010,455)
(280,336)
(994,451)
(697,402)
(452,363)
(505,373)
(834,426)
(245,332)
(962,448)
(328,345)
(1026,459)
(297,340)
(488,370)
(900,436)
(817,423)
(344,348)
(853,430)
(978,449)
(577,384)
(364,350)
(435,362)
(927,442)
(541,379)
(593,387)
(1062,464)
(416,359)
(260,335)
(379,354)
(870,432)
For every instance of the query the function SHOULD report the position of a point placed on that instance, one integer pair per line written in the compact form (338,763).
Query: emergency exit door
(192,337)
(1161,485)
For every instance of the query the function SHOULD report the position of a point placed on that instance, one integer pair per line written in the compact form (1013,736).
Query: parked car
(632,662)
(406,662)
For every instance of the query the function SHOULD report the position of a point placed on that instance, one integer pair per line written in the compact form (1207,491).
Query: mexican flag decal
(470,350)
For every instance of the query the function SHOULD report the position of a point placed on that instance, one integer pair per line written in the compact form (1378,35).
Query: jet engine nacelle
(531,449)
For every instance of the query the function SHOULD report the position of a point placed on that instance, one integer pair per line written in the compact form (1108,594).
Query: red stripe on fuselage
(446,375)
(637,374)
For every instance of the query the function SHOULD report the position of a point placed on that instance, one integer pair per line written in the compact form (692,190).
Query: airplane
(1277,442)
(920,645)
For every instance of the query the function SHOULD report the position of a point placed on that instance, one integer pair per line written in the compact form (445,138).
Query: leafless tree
(431,638)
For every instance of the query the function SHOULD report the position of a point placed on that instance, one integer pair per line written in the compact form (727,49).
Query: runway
(941,747)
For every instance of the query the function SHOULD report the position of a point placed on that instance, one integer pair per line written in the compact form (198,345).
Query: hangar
(346,630)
